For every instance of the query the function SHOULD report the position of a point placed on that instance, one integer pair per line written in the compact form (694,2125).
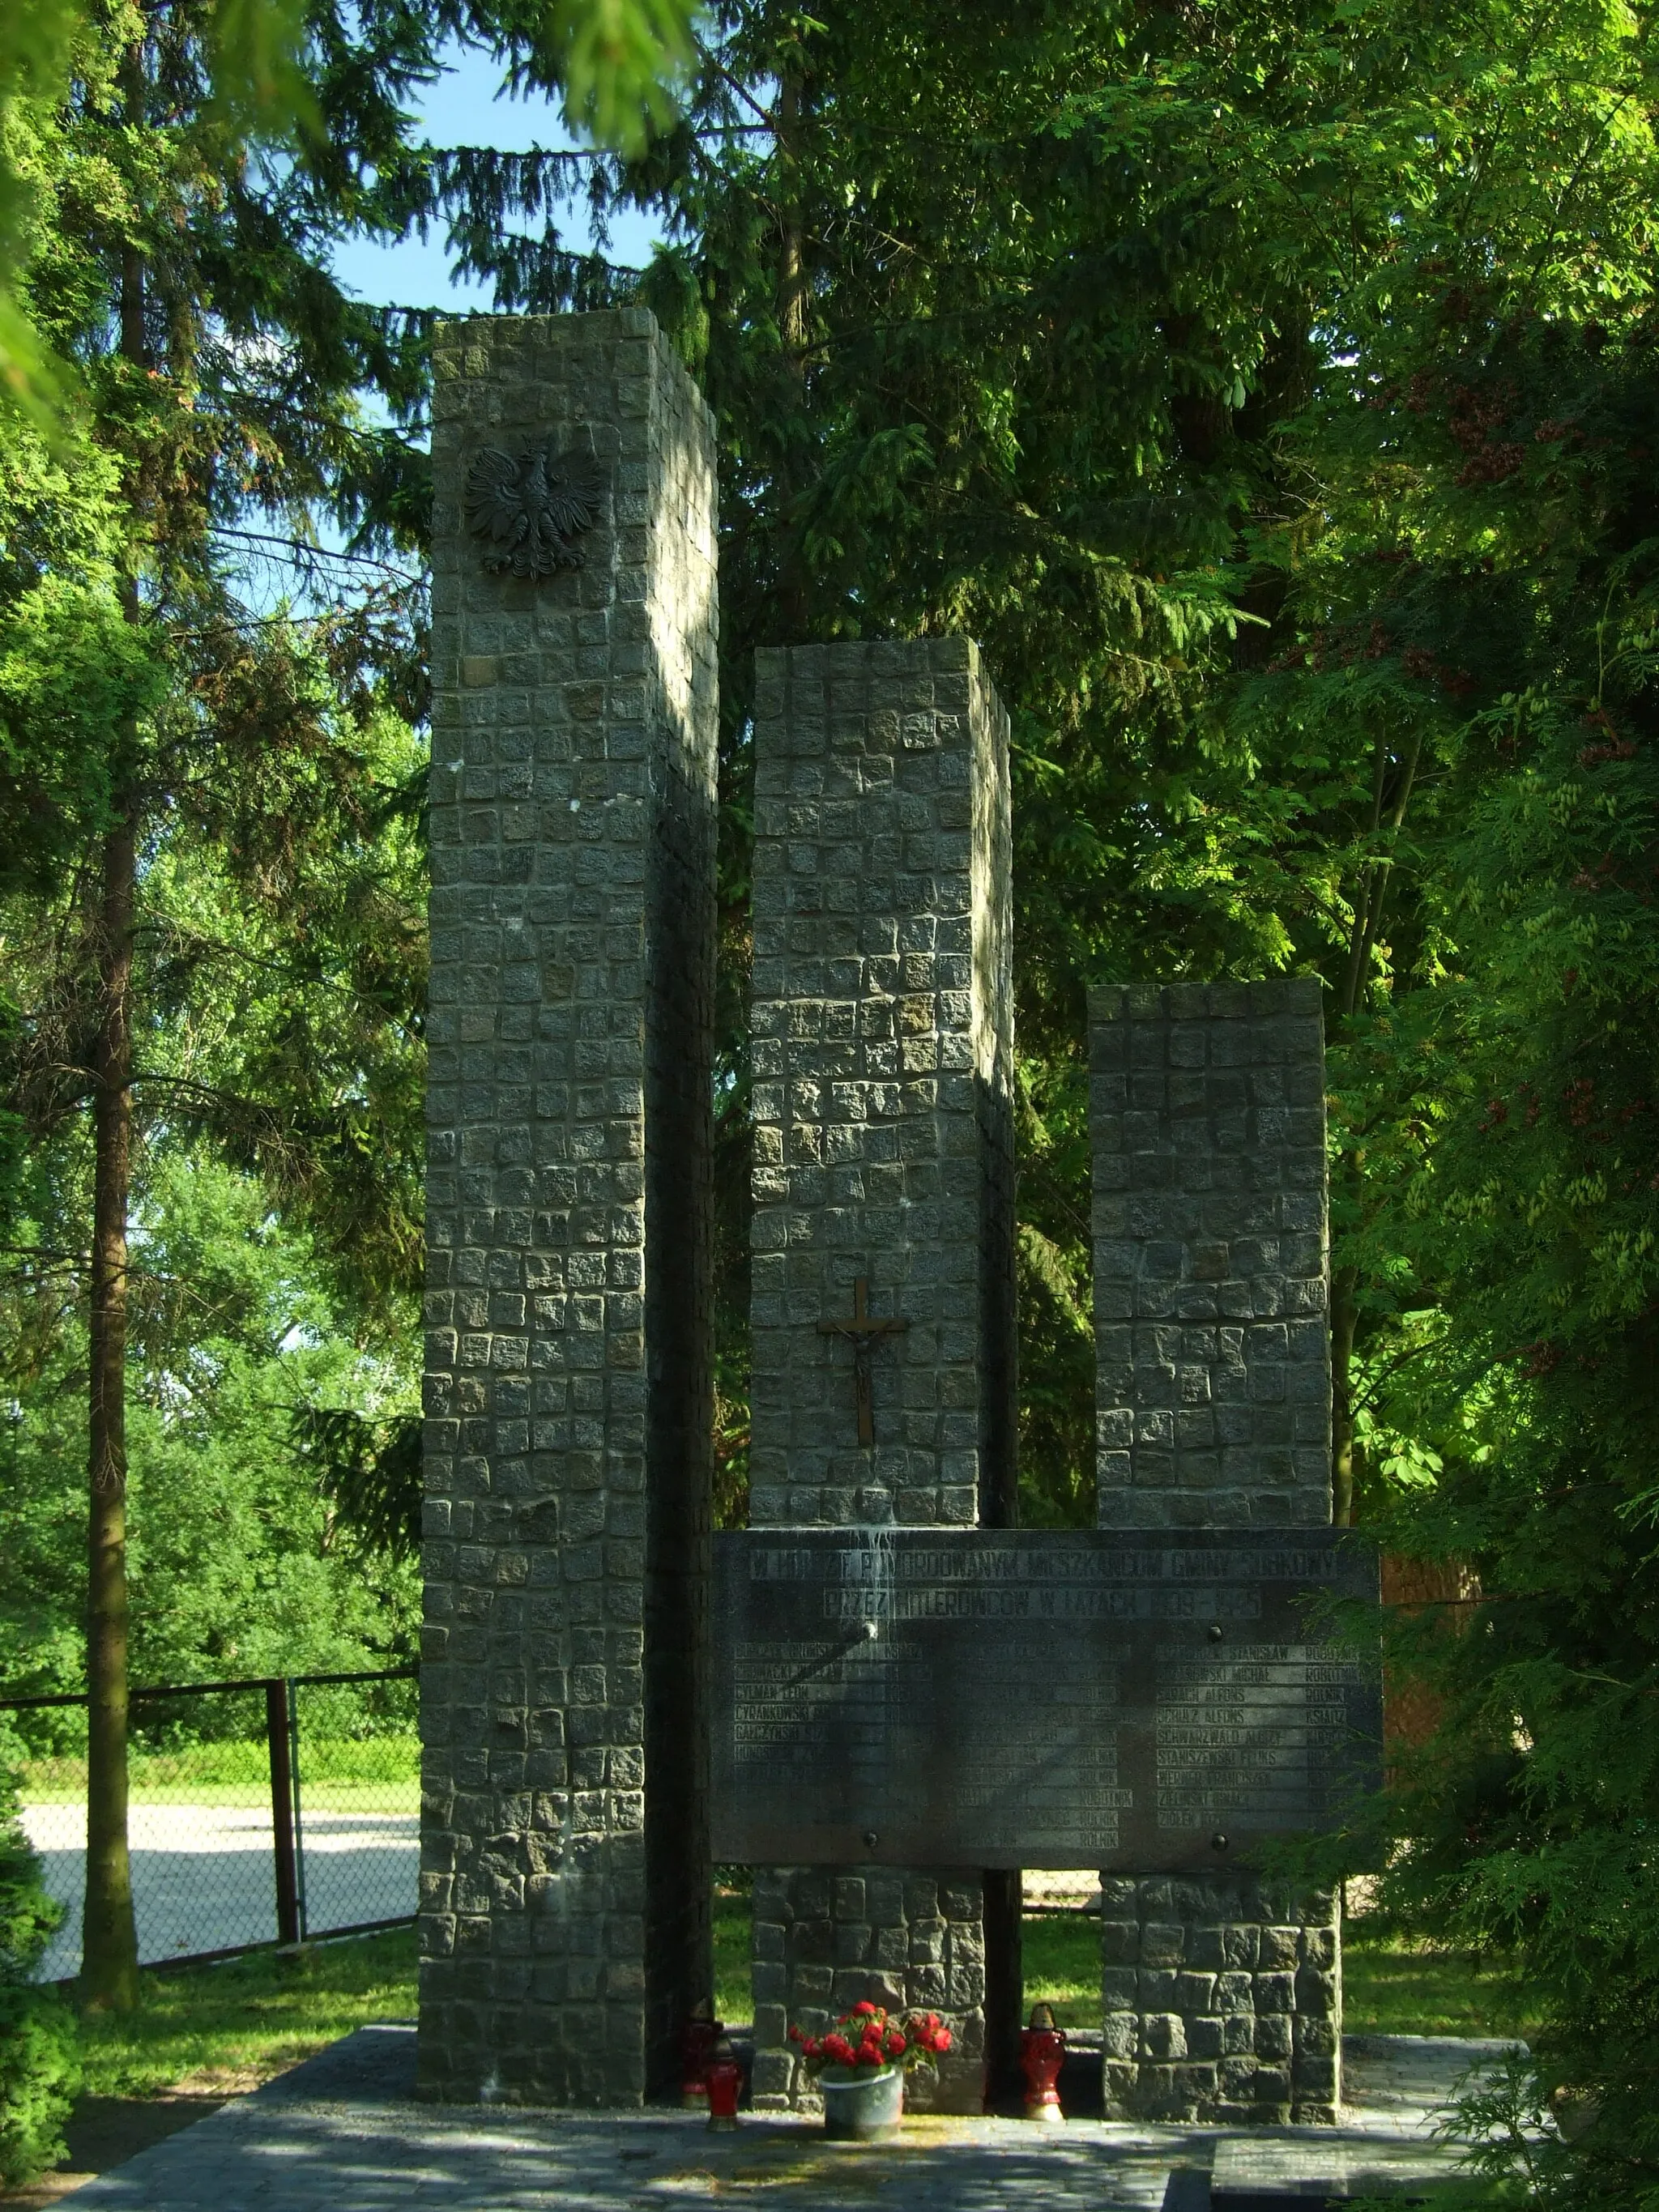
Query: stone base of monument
(1223,1999)
(825,1939)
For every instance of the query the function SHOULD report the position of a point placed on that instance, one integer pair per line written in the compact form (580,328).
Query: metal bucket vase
(862,2104)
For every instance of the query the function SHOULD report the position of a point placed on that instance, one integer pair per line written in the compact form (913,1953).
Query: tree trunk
(109,1959)
(791,330)
(1344,1313)
(109,1939)
(1370,899)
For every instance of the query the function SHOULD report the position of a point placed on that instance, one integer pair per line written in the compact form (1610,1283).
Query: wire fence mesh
(259,1812)
(358,1789)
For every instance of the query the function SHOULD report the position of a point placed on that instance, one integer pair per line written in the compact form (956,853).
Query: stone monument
(883,1288)
(882,1695)
(565,1875)
(950,1694)
(1207,1120)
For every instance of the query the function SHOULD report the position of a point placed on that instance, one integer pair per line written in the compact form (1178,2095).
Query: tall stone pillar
(565,1879)
(1223,1996)
(883,1056)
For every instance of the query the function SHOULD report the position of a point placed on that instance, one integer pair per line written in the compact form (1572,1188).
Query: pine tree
(227,750)
(172,180)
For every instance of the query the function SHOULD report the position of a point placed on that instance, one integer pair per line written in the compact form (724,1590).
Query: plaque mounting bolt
(869,1631)
(1218,1842)
(1215,1632)
(871,1839)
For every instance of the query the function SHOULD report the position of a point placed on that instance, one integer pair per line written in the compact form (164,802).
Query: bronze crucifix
(863,1328)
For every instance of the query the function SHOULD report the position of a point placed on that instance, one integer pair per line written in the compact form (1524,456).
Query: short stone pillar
(1223,1999)
(883,1181)
(565,1877)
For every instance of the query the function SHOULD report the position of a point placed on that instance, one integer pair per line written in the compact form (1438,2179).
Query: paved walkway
(341,2134)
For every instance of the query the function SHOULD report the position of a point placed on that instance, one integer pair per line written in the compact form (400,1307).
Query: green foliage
(1271,394)
(241,1564)
(1056,1299)
(370,1473)
(39,2073)
(620,61)
(39,2069)
(1504,2119)
(1496,1119)
(1044,329)
(268,76)
(72,671)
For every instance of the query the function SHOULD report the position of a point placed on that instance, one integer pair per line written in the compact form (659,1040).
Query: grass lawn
(1061,1954)
(1398,1988)
(229,2026)
(377,1774)
(732,2000)
(223,2028)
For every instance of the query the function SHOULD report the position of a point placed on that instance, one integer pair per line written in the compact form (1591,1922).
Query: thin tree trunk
(791,331)
(109,1941)
(1344,1449)
(109,1961)
(1371,897)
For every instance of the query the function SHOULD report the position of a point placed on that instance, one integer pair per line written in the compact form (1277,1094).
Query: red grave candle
(1041,2054)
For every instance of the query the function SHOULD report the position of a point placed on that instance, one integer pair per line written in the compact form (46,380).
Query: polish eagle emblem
(530,508)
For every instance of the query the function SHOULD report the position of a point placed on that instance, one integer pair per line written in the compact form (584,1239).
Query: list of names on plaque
(997,1697)
(1250,1737)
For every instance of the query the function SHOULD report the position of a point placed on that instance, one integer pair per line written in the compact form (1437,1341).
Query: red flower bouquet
(870,2036)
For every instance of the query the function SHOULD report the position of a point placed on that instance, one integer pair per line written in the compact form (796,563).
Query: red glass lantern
(1042,2055)
(725,2086)
(697,2041)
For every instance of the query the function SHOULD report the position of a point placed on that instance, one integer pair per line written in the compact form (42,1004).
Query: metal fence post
(277,1739)
(299,1810)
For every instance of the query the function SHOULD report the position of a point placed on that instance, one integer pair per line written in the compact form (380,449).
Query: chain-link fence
(262,1812)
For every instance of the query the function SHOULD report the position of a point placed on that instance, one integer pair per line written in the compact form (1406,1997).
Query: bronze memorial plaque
(1154,1701)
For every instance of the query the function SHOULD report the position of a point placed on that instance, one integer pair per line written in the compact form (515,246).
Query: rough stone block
(1180,1251)
(1212,1410)
(1232,2037)
(572,816)
(883,1018)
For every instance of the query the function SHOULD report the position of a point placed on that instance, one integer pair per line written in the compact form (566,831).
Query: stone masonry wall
(564,1875)
(825,1938)
(1208,1121)
(883,1047)
(1222,1999)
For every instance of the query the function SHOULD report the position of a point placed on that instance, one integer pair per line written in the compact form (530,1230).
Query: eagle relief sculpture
(530,508)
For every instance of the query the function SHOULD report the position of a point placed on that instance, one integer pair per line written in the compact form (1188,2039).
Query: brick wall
(564,1881)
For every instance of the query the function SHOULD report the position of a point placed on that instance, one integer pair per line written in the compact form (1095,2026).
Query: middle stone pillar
(883,1308)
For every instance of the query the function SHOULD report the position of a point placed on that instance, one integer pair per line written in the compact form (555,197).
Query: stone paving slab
(1324,2163)
(302,2157)
(1406,2080)
(342,2134)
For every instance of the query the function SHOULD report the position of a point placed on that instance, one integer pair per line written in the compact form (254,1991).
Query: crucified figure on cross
(863,1328)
